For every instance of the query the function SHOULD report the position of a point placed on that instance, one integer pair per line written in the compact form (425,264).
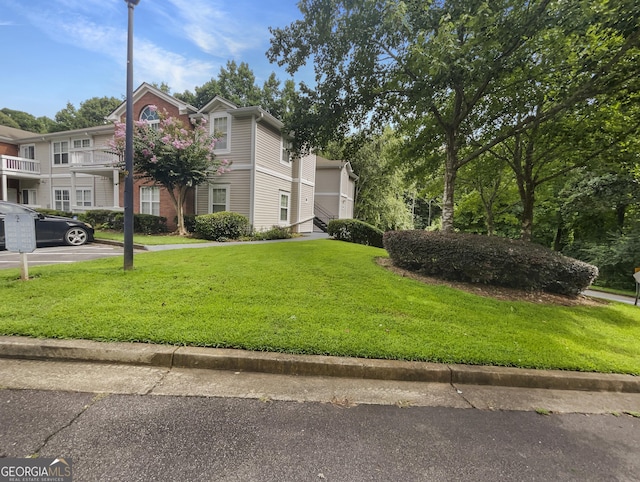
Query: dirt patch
(497,292)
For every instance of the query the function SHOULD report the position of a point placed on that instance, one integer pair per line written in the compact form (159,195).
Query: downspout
(252,191)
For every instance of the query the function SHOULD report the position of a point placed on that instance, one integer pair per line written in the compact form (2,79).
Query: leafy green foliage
(489,260)
(92,112)
(222,226)
(25,121)
(114,220)
(276,232)
(355,231)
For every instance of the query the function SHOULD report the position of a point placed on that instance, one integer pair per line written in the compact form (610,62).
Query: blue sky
(59,51)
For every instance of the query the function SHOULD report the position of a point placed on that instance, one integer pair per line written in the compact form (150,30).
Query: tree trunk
(450,174)
(528,202)
(178,204)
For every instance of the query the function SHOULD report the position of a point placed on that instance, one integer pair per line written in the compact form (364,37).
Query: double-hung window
(285,205)
(219,196)
(150,200)
(81,143)
(61,200)
(84,197)
(221,130)
(61,152)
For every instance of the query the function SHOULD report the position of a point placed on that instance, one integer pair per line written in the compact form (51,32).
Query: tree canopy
(456,77)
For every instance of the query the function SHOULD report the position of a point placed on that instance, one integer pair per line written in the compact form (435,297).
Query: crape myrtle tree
(173,156)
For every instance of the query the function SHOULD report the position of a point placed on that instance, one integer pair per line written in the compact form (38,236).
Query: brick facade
(166,204)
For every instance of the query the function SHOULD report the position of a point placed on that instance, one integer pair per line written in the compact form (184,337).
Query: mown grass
(148,240)
(318,297)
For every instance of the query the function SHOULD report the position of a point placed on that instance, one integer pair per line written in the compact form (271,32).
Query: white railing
(92,157)
(20,164)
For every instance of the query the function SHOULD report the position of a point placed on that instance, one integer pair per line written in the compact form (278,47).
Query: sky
(59,51)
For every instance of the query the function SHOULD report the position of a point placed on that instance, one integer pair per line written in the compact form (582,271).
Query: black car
(50,230)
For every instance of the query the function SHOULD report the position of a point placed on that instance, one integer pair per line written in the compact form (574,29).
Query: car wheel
(76,236)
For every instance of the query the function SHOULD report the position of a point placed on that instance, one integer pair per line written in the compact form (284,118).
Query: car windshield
(14,209)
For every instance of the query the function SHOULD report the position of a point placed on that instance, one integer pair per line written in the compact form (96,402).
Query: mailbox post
(20,237)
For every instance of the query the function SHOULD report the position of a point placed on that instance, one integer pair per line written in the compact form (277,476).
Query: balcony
(20,167)
(96,161)
(94,157)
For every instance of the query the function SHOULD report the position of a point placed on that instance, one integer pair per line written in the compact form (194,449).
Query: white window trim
(284,144)
(27,146)
(54,201)
(32,195)
(84,189)
(81,139)
(220,115)
(288,220)
(154,123)
(150,202)
(227,188)
(53,153)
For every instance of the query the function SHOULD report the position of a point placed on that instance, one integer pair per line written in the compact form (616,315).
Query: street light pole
(128,148)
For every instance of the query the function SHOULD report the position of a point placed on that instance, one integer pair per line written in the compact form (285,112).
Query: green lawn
(321,297)
(148,240)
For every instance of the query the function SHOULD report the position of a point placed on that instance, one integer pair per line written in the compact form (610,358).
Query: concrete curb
(309,365)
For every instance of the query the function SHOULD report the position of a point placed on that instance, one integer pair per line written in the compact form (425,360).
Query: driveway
(60,255)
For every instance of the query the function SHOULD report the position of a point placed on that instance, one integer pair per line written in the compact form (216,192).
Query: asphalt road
(60,255)
(169,438)
(139,423)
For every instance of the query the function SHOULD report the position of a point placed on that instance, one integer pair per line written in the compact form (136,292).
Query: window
(285,156)
(29,196)
(81,143)
(219,196)
(84,197)
(61,200)
(221,130)
(28,152)
(284,207)
(150,200)
(61,152)
(150,115)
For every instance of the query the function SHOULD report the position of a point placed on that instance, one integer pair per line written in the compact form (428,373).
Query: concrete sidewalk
(167,356)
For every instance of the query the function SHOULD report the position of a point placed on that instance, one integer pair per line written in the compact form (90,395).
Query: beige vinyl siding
(103,193)
(268,151)
(308,168)
(306,208)
(239,192)
(267,205)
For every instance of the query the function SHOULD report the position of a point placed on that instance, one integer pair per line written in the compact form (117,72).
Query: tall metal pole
(128,148)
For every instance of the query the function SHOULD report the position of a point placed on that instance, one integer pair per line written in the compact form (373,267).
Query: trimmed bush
(189,222)
(355,231)
(488,260)
(142,223)
(101,218)
(276,232)
(222,226)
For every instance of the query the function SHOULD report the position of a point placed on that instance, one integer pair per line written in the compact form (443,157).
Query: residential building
(76,171)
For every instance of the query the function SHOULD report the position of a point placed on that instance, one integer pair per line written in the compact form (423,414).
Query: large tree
(92,112)
(439,69)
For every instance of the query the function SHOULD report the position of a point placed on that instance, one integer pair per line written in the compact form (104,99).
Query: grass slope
(319,297)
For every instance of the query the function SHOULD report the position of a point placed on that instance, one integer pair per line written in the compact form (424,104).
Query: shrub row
(489,260)
(355,231)
(142,223)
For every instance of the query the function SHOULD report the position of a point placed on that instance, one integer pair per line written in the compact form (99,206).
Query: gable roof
(240,112)
(145,88)
(12,135)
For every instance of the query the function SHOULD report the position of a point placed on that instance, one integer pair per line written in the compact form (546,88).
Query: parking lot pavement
(60,255)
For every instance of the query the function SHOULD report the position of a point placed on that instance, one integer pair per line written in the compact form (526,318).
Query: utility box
(20,233)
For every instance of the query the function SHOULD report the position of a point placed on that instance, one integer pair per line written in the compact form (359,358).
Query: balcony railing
(19,165)
(94,157)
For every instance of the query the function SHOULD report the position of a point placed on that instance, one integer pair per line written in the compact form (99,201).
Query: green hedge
(355,231)
(222,226)
(276,232)
(489,260)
